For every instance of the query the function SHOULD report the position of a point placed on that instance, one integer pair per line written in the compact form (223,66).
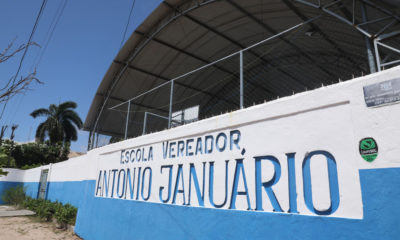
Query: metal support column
(144,123)
(97,140)
(89,141)
(241,79)
(370,55)
(378,60)
(171,99)
(127,120)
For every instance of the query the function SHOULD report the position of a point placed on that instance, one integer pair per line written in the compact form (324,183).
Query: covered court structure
(190,60)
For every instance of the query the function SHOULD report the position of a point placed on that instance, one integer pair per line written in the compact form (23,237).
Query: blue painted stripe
(100,218)
(64,192)
(6,185)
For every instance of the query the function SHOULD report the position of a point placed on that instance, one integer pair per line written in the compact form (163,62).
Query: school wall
(304,149)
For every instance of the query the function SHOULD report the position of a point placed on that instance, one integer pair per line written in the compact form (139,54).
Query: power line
(40,54)
(51,29)
(127,24)
(25,51)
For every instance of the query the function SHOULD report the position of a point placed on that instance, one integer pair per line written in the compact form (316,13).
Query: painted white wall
(333,118)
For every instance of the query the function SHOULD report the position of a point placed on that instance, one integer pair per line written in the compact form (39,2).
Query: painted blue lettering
(150,153)
(172,150)
(199,146)
(189,147)
(138,183)
(98,184)
(131,182)
(217,142)
(120,195)
(169,183)
(132,155)
(105,183)
(193,175)
(113,181)
(239,169)
(181,148)
(165,149)
(292,183)
(333,183)
(144,159)
(148,183)
(179,178)
(267,185)
(235,138)
(122,157)
(126,156)
(211,185)
(208,148)
(138,155)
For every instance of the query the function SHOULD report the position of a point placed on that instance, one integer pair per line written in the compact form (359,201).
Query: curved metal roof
(180,36)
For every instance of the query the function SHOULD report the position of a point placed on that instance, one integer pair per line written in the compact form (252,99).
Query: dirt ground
(24,228)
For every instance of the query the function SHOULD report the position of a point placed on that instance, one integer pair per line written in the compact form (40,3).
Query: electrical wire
(127,24)
(53,26)
(39,55)
(25,51)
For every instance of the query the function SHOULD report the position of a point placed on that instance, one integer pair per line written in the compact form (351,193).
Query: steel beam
(292,7)
(177,83)
(274,32)
(127,119)
(132,56)
(199,59)
(171,102)
(240,46)
(371,60)
(144,123)
(241,79)
(137,104)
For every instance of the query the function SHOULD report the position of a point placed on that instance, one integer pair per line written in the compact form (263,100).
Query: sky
(71,66)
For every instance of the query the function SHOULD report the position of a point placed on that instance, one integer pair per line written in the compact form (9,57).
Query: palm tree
(61,123)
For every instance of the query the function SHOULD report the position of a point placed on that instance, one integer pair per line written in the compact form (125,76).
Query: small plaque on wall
(382,93)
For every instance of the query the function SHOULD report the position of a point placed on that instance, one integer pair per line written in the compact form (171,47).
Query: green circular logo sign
(368,149)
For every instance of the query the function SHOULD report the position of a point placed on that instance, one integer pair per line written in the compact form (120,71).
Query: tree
(61,123)
(16,85)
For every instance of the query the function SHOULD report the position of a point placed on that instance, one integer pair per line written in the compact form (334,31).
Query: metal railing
(239,82)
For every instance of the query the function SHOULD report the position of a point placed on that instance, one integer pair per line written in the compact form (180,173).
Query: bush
(66,215)
(14,196)
(46,210)
(30,203)
(30,155)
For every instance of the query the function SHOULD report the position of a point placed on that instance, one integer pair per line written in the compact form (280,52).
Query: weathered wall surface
(287,169)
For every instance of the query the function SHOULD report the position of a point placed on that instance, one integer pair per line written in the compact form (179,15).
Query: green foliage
(14,196)
(6,159)
(30,203)
(46,210)
(3,173)
(66,215)
(115,139)
(26,167)
(30,155)
(60,124)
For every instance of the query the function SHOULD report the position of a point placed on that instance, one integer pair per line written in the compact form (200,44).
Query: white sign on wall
(303,163)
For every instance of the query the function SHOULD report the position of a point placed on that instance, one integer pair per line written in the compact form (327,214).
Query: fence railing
(238,80)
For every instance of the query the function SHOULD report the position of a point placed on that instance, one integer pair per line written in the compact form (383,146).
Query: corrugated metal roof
(180,36)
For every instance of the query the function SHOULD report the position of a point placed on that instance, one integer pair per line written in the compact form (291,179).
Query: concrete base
(10,211)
